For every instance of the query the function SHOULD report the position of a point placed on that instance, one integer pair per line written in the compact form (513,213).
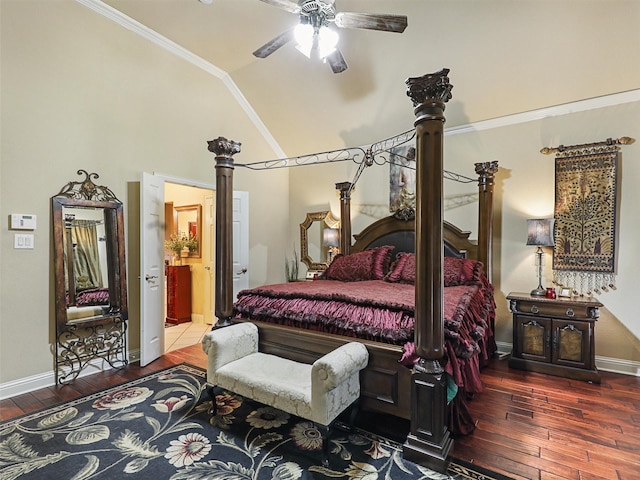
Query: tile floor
(184,335)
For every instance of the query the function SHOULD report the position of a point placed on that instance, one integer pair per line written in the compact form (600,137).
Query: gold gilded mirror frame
(91,313)
(188,221)
(312,251)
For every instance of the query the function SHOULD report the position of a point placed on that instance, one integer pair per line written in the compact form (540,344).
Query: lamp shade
(540,231)
(330,237)
(304,34)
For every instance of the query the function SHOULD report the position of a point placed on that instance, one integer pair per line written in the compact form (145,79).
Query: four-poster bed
(418,393)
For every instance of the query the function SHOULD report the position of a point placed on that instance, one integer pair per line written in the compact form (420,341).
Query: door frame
(164,179)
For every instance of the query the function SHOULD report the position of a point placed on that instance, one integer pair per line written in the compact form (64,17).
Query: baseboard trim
(616,365)
(48,379)
(43,380)
(606,364)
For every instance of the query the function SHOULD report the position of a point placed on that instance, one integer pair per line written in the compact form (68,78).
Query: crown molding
(145,32)
(548,112)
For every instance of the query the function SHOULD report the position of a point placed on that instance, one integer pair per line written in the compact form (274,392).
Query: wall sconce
(540,234)
(331,240)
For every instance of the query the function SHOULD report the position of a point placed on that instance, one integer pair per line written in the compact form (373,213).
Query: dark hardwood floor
(530,425)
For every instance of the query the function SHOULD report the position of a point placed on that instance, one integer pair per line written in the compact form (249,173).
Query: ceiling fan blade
(372,21)
(287,5)
(273,45)
(337,61)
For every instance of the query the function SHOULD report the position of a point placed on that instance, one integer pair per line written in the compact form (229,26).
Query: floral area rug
(157,427)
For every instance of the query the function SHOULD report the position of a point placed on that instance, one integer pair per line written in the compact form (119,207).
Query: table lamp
(331,240)
(540,234)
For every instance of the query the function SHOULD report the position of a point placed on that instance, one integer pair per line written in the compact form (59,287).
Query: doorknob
(244,270)
(148,277)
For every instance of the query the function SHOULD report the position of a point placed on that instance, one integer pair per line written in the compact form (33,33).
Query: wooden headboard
(401,234)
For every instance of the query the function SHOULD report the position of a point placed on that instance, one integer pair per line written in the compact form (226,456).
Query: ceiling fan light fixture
(327,41)
(303,33)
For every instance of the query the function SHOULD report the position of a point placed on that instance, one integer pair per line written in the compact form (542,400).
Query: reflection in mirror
(86,270)
(189,226)
(315,252)
(90,277)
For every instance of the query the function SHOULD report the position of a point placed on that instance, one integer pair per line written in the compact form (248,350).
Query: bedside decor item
(540,234)
(331,240)
(586,205)
(565,292)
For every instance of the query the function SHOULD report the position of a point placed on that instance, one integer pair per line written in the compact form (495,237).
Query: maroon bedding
(383,311)
(91,297)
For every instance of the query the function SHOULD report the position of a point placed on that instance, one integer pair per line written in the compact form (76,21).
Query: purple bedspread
(382,311)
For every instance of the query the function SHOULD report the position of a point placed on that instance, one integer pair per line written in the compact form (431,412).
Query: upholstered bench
(318,392)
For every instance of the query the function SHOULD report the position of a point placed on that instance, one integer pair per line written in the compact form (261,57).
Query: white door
(151,268)
(240,242)
(208,256)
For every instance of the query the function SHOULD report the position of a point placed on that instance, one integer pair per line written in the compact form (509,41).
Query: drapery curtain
(86,259)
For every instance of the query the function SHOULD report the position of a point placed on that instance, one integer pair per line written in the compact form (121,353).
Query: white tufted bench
(318,392)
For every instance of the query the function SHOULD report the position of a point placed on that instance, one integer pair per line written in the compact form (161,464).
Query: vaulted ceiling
(505,57)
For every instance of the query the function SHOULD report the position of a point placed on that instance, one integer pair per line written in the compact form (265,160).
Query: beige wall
(524,189)
(79,91)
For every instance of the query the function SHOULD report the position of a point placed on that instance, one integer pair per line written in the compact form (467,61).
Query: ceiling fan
(313,32)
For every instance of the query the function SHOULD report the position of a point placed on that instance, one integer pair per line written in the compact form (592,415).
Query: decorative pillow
(359,266)
(461,271)
(457,271)
(97,296)
(403,269)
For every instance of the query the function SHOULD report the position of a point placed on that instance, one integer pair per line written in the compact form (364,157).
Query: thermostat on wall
(20,221)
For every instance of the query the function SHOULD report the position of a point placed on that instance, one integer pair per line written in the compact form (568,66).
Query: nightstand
(555,336)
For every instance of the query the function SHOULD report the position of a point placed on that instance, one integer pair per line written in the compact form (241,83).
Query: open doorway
(188,306)
(153,256)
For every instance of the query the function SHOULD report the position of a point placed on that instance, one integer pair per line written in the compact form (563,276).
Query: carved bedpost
(345,216)
(486,173)
(224,150)
(428,442)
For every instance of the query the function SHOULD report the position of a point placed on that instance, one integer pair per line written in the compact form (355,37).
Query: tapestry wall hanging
(586,206)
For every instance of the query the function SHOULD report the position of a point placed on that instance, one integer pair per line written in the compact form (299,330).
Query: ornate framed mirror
(188,223)
(316,241)
(90,277)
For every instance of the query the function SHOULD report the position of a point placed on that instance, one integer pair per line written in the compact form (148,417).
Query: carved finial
(487,169)
(432,86)
(87,190)
(223,147)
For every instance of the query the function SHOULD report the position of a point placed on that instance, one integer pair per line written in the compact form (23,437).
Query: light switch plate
(23,240)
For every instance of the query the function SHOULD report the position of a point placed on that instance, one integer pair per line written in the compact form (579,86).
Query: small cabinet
(554,336)
(178,294)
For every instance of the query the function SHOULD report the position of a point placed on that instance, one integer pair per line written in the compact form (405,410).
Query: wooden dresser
(555,336)
(178,294)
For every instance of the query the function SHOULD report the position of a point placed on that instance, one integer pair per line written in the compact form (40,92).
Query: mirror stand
(90,278)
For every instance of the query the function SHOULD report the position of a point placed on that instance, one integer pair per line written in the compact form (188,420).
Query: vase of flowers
(181,244)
